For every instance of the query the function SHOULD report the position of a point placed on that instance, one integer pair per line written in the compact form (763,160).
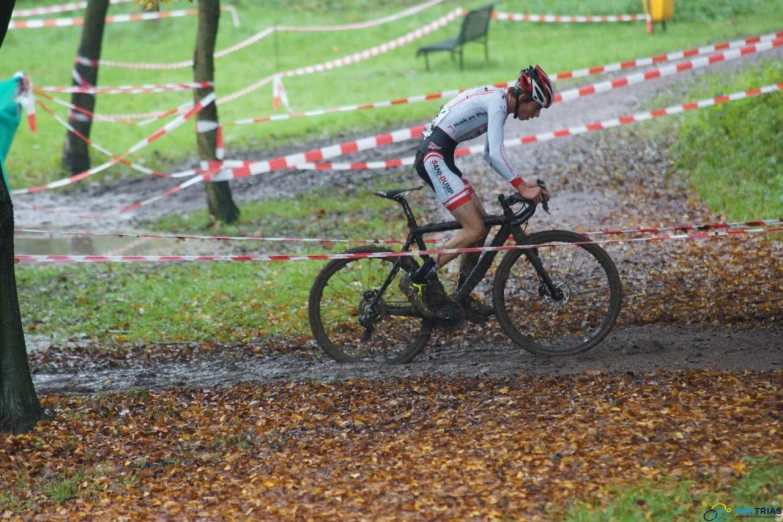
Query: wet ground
(629,349)
(601,180)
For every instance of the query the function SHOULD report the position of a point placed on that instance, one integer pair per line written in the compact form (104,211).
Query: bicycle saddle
(396,194)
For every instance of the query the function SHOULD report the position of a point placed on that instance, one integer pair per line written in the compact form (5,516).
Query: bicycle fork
(547,287)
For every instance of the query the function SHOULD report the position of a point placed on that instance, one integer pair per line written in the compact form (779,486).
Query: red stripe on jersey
(458,200)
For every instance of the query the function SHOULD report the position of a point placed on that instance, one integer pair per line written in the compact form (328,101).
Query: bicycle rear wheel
(345,326)
(582,318)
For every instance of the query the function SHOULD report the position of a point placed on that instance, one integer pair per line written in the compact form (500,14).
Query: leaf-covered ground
(427,448)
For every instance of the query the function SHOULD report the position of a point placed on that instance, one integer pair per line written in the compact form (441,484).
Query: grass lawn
(47,56)
(221,301)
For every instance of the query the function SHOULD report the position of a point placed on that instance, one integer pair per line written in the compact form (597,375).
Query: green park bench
(475,27)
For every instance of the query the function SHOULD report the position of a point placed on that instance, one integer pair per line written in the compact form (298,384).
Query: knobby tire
(546,326)
(339,294)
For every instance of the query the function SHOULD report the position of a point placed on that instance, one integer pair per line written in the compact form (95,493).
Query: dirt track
(600,181)
(629,349)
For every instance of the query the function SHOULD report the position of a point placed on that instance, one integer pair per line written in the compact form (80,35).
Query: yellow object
(661,10)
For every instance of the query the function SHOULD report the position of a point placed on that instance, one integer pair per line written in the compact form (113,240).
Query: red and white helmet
(534,81)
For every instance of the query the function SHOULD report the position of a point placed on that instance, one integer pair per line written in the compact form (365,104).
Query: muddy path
(628,349)
(680,312)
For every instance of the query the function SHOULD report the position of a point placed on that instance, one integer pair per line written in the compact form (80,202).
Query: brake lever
(544,199)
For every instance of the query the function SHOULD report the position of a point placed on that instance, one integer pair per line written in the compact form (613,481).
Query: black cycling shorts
(435,165)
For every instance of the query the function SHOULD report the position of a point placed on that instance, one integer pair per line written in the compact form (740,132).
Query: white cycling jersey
(470,114)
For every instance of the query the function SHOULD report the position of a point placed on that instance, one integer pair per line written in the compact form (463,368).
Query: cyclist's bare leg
(469,259)
(473,232)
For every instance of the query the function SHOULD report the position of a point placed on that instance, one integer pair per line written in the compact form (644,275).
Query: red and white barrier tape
(133,206)
(562,133)
(137,17)
(186,63)
(93,144)
(128,89)
(238,169)
(75,110)
(180,237)
(662,58)
(518,17)
(301,161)
(353,58)
(220,146)
(290,161)
(378,50)
(361,25)
(215,166)
(122,119)
(252,168)
(568,95)
(558,76)
(74,6)
(210,98)
(667,70)
(676,55)
(268,31)
(234,15)
(607,232)
(362,255)
(127,208)
(685,228)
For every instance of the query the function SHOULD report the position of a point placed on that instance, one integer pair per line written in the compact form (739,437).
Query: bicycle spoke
(582,311)
(351,321)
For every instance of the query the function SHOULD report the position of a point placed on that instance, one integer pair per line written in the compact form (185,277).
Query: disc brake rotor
(560,285)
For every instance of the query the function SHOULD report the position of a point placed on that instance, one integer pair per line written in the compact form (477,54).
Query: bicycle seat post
(406,208)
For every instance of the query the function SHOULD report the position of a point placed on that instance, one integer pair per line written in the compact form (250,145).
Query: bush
(733,152)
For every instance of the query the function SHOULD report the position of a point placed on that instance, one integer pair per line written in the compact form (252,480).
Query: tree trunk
(19,406)
(219,200)
(76,157)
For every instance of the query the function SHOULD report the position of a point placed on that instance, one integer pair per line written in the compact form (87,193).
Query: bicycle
(560,298)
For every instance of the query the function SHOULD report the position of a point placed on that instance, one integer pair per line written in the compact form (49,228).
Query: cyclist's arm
(494,151)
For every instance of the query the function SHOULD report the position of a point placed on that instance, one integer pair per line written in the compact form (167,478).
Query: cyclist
(470,114)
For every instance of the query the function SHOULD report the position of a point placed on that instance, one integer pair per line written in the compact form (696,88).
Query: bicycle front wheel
(350,323)
(573,322)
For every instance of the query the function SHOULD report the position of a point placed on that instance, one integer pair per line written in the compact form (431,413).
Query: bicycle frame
(509,223)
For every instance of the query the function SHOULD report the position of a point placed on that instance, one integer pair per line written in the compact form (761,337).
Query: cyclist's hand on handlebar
(534,191)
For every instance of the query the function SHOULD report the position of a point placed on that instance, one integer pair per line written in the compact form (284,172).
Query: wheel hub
(369,314)
(565,291)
